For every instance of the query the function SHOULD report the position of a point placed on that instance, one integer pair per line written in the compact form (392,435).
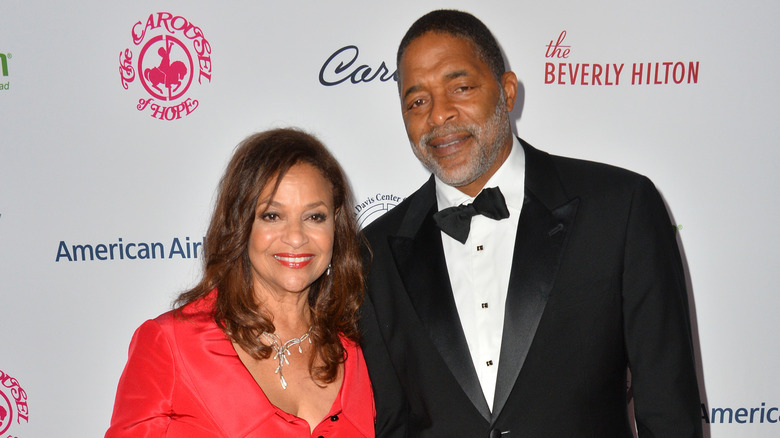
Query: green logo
(4,63)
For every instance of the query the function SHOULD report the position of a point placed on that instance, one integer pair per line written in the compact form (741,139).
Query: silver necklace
(283,350)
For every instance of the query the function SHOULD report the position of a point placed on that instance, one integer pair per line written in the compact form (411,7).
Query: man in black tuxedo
(516,311)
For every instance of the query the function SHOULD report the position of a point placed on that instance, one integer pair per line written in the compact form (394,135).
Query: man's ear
(509,84)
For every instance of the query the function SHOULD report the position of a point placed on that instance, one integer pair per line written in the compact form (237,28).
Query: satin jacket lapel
(216,374)
(542,232)
(236,403)
(419,256)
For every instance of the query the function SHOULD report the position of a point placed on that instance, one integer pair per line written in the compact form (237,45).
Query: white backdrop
(81,165)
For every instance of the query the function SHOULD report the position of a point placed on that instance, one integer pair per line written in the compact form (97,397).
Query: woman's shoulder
(180,327)
(199,311)
(352,351)
(347,343)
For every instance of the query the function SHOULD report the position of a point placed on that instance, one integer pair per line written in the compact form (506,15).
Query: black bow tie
(456,221)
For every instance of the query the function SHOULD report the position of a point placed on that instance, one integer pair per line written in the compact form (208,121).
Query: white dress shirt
(479,269)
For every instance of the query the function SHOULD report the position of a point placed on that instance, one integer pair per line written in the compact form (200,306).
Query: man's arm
(391,407)
(657,322)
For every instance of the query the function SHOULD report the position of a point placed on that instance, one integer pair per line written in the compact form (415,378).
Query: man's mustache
(441,131)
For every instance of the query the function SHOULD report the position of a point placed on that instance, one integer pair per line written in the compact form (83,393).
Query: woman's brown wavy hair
(263,159)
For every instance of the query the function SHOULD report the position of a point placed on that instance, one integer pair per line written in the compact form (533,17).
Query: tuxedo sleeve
(143,401)
(657,322)
(391,412)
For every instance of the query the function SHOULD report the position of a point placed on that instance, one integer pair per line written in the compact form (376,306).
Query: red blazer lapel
(210,363)
(356,397)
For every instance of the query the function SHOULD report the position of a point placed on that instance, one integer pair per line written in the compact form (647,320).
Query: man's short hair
(462,25)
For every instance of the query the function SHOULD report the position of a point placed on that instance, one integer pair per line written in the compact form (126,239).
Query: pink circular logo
(6,413)
(13,403)
(174,58)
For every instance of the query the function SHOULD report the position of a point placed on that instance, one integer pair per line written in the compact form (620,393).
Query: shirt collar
(510,178)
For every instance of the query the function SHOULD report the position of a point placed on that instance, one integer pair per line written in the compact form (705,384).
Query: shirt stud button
(334,418)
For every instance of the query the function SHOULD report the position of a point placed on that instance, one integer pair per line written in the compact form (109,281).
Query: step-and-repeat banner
(117,119)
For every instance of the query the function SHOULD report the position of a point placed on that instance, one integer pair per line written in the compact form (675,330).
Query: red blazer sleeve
(143,400)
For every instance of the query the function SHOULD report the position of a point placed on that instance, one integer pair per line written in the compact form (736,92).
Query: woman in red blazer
(266,344)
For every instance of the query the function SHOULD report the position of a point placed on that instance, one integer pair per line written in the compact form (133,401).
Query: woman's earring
(327,271)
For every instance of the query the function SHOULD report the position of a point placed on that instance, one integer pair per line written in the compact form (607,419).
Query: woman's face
(291,242)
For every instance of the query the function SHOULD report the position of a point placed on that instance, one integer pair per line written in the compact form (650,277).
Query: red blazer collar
(227,389)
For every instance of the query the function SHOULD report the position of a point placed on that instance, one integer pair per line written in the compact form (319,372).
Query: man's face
(455,111)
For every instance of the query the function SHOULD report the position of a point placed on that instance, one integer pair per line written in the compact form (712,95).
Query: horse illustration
(170,75)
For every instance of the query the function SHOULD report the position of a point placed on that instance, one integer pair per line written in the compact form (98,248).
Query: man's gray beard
(486,155)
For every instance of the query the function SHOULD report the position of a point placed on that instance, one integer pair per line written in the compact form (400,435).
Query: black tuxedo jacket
(596,286)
